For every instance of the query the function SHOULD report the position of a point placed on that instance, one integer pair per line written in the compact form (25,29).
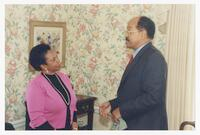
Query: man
(141,94)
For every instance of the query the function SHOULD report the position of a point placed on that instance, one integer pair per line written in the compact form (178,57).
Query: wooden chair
(9,126)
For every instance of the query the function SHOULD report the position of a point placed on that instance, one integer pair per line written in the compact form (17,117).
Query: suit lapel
(135,61)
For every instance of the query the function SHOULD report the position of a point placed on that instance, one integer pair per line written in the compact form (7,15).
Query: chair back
(27,127)
(183,124)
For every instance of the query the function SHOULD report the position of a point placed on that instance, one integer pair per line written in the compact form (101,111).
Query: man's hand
(74,126)
(116,115)
(105,109)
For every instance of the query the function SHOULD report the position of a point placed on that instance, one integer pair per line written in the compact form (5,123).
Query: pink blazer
(45,104)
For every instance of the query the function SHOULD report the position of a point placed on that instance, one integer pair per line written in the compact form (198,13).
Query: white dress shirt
(136,51)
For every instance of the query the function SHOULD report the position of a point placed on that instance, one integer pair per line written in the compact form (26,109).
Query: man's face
(133,35)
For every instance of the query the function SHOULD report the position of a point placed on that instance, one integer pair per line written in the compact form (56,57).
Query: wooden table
(85,105)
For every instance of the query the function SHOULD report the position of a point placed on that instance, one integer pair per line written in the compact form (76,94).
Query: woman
(50,99)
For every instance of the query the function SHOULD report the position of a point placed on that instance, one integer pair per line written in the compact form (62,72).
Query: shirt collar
(136,51)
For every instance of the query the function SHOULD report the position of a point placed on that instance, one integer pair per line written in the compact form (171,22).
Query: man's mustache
(127,39)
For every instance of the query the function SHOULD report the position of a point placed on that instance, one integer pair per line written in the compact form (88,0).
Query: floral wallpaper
(96,55)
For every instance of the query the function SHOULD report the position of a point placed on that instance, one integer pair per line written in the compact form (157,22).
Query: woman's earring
(46,70)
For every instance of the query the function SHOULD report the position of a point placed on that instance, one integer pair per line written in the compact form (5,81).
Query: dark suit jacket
(141,96)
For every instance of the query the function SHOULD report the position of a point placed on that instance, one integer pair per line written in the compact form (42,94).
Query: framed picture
(52,33)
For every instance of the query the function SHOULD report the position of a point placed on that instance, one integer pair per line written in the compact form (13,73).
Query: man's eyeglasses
(131,32)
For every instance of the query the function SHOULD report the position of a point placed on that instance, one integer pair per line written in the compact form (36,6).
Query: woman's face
(53,63)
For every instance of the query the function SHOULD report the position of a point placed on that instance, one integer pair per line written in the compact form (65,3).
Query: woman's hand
(74,126)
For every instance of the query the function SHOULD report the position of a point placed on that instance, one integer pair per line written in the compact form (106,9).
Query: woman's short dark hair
(147,24)
(37,56)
